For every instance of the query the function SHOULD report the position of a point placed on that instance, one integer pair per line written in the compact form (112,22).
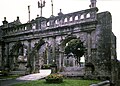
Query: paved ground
(37,76)
(42,74)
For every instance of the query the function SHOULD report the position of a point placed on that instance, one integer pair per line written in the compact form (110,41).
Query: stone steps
(73,71)
(76,68)
(72,74)
(17,72)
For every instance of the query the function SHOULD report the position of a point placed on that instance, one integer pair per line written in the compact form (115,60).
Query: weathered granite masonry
(41,41)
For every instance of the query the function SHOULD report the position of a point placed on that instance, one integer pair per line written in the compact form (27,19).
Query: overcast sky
(13,8)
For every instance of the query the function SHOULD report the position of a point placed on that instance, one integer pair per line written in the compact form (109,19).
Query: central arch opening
(74,52)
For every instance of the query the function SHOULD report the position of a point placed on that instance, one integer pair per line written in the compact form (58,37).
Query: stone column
(47,56)
(54,53)
(47,53)
(62,56)
(60,61)
(3,54)
(28,57)
(36,62)
(89,47)
(7,56)
(0,55)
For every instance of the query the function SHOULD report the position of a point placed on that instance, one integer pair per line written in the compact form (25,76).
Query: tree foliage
(76,47)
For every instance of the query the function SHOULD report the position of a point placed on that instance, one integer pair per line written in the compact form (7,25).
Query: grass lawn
(66,82)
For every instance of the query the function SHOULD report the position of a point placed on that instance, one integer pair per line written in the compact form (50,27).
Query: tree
(76,47)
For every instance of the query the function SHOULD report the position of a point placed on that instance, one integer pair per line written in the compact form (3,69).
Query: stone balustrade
(72,18)
(16,29)
(52,22)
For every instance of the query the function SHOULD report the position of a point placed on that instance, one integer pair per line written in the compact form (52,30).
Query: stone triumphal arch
(42,40)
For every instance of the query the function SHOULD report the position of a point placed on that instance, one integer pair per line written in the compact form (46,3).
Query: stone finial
(37,15)
(4,22)
(4,18)
(93,3)
(52,16)
(60,13)
(18,18)
(17,21)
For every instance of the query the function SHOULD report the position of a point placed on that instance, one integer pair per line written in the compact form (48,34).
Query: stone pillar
(61,56)
(0,55)
(47,53)
(7,56)
(36,62)
(89,47)
(3,55)
(54,53)
(28,57)
(64,61)
(60,61)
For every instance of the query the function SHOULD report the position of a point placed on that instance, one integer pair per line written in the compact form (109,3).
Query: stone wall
(103,44)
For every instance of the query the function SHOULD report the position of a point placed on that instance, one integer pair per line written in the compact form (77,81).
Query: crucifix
(52,6)
(28,13)
(41,4)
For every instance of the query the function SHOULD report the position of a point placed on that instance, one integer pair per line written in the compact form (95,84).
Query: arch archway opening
(74,50)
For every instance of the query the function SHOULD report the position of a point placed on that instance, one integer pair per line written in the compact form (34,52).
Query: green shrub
(46,66)
(54,78)
(3,72)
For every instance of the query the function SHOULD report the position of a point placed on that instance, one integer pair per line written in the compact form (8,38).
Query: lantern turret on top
(93,3)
